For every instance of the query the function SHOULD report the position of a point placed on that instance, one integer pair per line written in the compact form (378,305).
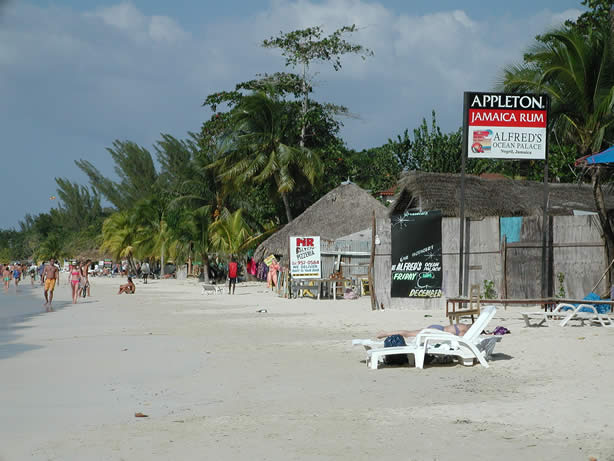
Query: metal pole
(545,223)
(461,238)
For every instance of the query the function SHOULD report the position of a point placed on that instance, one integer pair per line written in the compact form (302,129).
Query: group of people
(16,273)
(78,280)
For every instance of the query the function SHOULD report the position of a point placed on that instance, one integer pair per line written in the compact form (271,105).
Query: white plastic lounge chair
(605,320)
(560,313)
(368,343)
(212,289)
(467,348)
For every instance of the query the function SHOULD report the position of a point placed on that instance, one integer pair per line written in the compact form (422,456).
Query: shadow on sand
(16,310)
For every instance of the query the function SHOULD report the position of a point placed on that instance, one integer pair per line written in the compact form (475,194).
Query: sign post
(305,260)
(509,127)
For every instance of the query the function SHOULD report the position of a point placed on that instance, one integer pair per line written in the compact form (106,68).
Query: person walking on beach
(16,274)
(6,277)
(85,278)
(232,275)
(51,276)
(74,278)
(41,268)
(32,271)
(145,271)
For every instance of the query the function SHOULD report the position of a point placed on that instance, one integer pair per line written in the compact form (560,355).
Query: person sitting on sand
(128,288)
(458,329)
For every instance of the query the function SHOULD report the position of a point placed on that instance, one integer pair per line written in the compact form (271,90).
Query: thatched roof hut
(490,197)
(343,211)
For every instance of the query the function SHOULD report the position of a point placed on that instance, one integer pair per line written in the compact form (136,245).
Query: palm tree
(153,236)
(258,148)
(189,231)
(232,236)
(119,235)
(577,70)
(229,233)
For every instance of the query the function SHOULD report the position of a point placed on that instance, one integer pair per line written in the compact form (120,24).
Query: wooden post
(374,305)
(504,269)
(545,231)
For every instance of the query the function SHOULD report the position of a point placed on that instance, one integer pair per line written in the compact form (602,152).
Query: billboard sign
(305,259)
(506,126)
(416,255)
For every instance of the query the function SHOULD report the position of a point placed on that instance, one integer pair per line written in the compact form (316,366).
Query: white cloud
(126,17)
(76,81)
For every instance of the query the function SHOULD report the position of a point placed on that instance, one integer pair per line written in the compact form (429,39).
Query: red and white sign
(507,126)
(305,260)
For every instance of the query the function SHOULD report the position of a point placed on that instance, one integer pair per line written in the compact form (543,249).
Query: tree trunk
(205,258)
(304,105)
(131,263)
(162,261)
(284,197)
(608,233)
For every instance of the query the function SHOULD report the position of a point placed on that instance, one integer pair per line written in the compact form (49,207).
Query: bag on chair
(396,359)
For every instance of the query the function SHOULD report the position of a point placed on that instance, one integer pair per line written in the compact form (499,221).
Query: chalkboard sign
(416,255)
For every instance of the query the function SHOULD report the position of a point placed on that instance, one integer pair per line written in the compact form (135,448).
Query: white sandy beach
(221,381)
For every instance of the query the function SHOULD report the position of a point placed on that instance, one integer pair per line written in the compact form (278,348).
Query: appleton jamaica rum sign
(506,126)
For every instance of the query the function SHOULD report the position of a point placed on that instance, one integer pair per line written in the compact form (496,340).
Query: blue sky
(77,74)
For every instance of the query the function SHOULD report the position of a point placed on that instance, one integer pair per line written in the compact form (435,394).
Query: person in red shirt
(232,275)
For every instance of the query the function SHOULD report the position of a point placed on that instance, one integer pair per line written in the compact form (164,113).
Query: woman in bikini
(74,277)
(128,288)
(458,329)
(6,277)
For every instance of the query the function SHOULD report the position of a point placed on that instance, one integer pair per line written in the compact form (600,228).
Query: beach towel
(592,296)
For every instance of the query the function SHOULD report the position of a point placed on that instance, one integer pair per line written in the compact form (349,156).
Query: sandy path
(221,381)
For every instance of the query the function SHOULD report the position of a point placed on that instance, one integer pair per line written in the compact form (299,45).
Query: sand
(219,380)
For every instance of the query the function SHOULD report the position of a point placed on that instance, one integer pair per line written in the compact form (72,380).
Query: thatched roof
(342,211)
(490,197)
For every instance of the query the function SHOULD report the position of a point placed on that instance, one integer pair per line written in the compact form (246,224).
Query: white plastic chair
(562,312)
(594,317)
(469,347)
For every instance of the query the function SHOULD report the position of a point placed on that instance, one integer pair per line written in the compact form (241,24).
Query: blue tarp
(600,308)
(607,156)
(510,228)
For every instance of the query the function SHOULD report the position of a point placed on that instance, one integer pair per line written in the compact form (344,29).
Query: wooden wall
(577,251)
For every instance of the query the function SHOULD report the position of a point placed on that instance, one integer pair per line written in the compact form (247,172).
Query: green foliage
(307,45)
(79,206)
(599,15)
(135,168)
(52,247)
(577,71)
(259,148)
(561,278)
(489,290)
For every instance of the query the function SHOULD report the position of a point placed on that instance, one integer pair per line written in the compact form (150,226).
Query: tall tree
(306,46)
(80,207)
(153,237)
(257,148)
(135,168)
